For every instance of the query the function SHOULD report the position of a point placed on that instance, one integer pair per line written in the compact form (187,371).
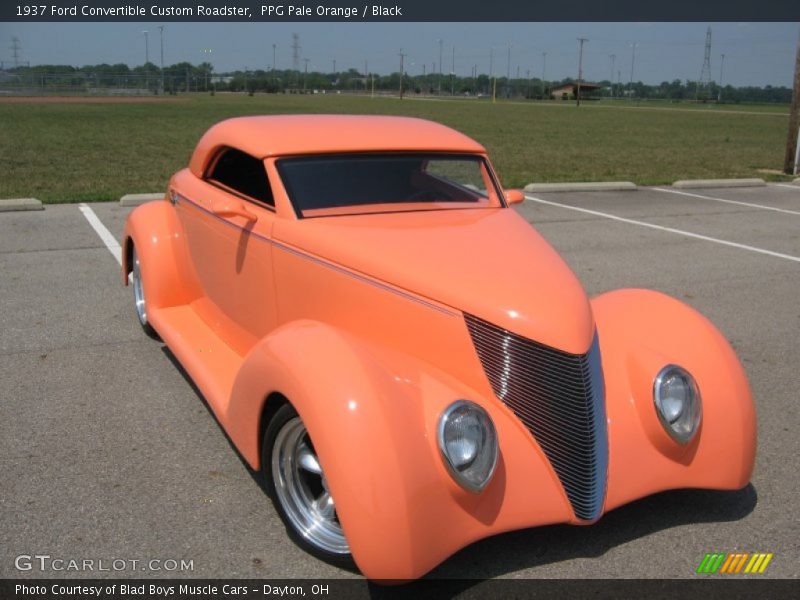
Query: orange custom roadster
(405,358)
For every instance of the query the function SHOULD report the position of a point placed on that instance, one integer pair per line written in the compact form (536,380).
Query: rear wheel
(139,298)
(298,488)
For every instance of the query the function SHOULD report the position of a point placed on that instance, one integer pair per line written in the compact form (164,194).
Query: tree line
(187,77)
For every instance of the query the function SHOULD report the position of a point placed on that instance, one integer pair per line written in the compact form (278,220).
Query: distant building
(568,91)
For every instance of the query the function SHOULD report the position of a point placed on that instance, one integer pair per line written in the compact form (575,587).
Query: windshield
(349,184)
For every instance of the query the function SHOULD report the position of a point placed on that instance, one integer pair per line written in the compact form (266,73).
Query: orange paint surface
(359,321)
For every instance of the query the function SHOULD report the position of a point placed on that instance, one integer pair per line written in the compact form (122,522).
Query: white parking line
(108,239)
(791,186)
(668,229)
(762,206)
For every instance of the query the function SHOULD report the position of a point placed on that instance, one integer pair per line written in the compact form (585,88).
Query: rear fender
(155,229)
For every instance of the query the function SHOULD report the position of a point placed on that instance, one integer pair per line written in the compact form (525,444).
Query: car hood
(487,262)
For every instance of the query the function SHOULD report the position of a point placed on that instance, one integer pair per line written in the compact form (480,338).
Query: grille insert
(559,397)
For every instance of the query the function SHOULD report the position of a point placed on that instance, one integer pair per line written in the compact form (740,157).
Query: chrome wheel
(302,490)
(138,289)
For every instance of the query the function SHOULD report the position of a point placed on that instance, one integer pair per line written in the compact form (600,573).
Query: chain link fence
(100,84)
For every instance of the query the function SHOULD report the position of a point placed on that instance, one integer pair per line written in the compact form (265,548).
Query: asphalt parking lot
(109,453)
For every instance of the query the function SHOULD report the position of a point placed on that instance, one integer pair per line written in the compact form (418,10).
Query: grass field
(69,152)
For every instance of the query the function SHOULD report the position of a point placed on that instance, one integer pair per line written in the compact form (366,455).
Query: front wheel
(298,488)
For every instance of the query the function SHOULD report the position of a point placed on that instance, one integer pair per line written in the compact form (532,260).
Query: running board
(208,360)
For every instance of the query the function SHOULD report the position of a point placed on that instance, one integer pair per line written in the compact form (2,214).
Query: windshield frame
(481,159)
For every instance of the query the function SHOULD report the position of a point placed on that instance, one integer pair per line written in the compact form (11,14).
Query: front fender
(641,331)
(372,416)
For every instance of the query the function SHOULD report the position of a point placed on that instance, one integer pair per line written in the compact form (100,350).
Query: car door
(229,231)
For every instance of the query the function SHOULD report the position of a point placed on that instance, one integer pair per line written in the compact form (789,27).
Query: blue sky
(755,53)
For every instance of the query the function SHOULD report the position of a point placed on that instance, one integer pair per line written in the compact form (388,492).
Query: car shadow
(539,546)
(524,549)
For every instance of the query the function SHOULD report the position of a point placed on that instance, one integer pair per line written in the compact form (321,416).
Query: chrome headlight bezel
(491,445)
(686,424)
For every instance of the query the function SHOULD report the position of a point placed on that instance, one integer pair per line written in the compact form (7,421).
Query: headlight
(678,404)
(468,443)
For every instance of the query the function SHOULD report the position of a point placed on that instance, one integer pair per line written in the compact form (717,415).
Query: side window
(242,173)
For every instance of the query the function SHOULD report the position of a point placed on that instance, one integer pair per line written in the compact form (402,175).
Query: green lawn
(87,152)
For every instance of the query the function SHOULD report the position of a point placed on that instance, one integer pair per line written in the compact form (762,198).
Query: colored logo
(736,562)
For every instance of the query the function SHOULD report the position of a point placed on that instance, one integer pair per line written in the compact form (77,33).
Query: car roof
(282,135)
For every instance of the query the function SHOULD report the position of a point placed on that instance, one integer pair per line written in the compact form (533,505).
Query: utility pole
(274,54)
(613,58)
(402,59)
(161,37)
(580,72)
(305,76)
(544,72)
(491,62)
(721,65)
(441,64)
(633,62)
(792,146)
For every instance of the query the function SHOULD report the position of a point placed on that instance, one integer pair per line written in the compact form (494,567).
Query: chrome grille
(559,397)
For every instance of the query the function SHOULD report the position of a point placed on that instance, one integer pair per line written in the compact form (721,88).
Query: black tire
(284,426)
(140,297)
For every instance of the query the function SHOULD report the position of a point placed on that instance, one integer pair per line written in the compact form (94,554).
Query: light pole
(491,68)
(305,76)
(402,70)
(453,74)
(146,60)
(208,70)
(274,50)
(633,62)
(441,66)
(613,58)
(544,72)
(721,65)
(580,72)
(508,72)
(161,36)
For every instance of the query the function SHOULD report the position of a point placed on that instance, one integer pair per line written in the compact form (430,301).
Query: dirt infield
(86,99)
